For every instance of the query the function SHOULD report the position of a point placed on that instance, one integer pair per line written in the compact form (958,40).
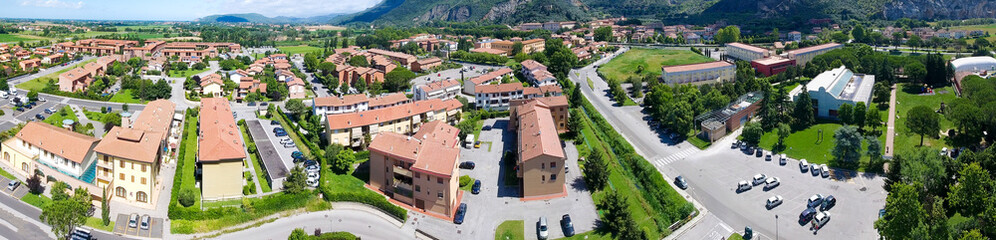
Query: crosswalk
(661,161)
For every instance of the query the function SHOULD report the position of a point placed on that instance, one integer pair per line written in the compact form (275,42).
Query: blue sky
(173,9)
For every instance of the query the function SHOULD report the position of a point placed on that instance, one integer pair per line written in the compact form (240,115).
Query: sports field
(651,59)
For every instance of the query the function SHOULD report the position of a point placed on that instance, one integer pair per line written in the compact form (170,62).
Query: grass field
(7,174)
(56,118)
(991,28)
(626,65)
(40,83)
(906,99)
(804,145)
(13,38)
(186,73)
(36,200)
(511,230)
(291,50)
(124,96)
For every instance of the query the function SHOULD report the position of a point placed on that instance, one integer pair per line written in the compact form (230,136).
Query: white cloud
(294,8)
(52,4)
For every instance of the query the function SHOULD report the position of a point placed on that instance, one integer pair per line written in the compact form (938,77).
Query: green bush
(465,180)
(187,197)
(369,198)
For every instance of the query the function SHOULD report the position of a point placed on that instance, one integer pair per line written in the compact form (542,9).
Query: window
(143,167)
(120,192)
(132,178)
(553,177)
(440,194)
(542,165)
(122,164)
(439,180)
(418,188)
(142,197)
(143,180)
(553,165)
(543,178)
(121,176)
(428,177)
(417,175)
(24,167)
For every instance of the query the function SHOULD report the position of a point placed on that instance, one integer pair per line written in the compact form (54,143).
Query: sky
(178,10)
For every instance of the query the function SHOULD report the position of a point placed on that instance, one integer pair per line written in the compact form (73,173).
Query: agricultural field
(650,59)
(291,50)
(13,38)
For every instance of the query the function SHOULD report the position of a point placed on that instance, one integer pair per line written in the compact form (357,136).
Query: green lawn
(256,164)
(7,174)
(36,200)
(905,101)
(985,28)
(98,223)
(14,38)
(291,50)
(189,159)
(96,116)
(125,96)
(626,65)
(804,145)
(511,230)
(468,186)
(735,236)
(39,83)
(186,73)
(56,118)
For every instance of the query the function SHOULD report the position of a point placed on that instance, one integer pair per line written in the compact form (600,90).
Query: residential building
(350,129)
(836,87)
(804,55)
(426,64)
(419,171)
(402,58)
(78,79)
(447,89)
(129,156)
(540,160)
(699,73)
(212,85)
(57,152)
(220,151)
(295,88)
(558,106)
(537,73)
(486,79)
(772,65)
(30,64)
(249,85)
(528,46)
(796,36)
(356,103)
(54,58)
(95,46)
(490,51)
(745,52)
(716,123)
(497,97)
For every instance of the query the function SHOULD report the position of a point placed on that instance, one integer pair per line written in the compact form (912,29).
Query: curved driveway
(361,223)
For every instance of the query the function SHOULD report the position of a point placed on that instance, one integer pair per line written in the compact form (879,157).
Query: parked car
(476,188)
(565,222)
(773,202)
(825,170)
(680,182)
(814,201)
(278,129)
(146,221)
(782,160)
(252,104)
(735,145)
(280,134)
(50,110)
(467,165)
(767,157)
(477,144)
(803,165)
(743,186)
(133,220)
(264,104)
(297,155)
(881,213)
(39,117)
(772,182)
(461,210)
(13,184)
(759,152)
(759,179)
(286,140)
(289,145)
(828,203)
(820,220)
(542,229)
(807,215)
(274,122)
(80,234)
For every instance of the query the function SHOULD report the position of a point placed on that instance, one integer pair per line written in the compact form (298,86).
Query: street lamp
(776,226)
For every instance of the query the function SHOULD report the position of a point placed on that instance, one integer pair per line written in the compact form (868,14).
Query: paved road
(890,134)
(716,170)
(28,77)
(360,223)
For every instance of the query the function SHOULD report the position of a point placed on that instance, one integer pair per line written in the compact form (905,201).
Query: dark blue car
(458,219)
(476,188)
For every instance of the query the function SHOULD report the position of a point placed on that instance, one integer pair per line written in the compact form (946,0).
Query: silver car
(814,169)
(803,165)
(133,220)
(825,170)
(773,202)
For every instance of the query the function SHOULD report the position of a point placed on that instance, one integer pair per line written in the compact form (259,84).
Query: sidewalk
(890,134)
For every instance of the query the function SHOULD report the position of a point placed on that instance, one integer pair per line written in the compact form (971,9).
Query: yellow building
(802,56)
(128,163)
(528,46)
(699,73)
(220,151)
(56,152)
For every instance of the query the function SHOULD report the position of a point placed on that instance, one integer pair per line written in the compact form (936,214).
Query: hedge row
(316,152)
(651,183)
(369,198)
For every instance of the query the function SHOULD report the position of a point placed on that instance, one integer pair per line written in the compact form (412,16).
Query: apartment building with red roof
(699,73)
(426,64)
(540,162)
(78,79)
(350,129)
(486,79)
(446,89)
(500,96)
(402,58)
(537,73)
(30,64)
(356,103)
(129,156)
(419,171)
(220,151)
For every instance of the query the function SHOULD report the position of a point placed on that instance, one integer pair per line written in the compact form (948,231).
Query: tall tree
(903,212)
(973,191)
(752,133)
(64,215)
(296,181)
(859,114)
(847,146)
(728,34)
(923,121)
(873,118)
(596,171)
(846,113)
(783,132)
(803,112)
(105,208)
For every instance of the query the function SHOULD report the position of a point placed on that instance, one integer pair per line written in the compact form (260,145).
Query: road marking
(661,161)
(8,225)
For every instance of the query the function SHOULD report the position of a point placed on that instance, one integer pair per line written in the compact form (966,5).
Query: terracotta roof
(695,66)
(131,144)
(332,101)
(488,50)
(220,138)
(212,78)
(438,131)
(156,116)
(59,141)
(538,133)
(551,89)
(390,53)
(531,91)
(491,75)
(813,48)
(555,101)
(532,65)
(747,47)
(389,99)
(435,86)
(771,60)
(429,60)
(358,119)
(452,104)
(295,81)
(427,155)
(507,87)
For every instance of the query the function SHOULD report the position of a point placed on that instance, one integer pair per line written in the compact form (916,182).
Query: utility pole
(776,226)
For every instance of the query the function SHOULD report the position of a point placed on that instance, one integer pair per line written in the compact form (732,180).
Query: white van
(3,95)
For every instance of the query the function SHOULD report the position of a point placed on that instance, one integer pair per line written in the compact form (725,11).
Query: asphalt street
(360,223)
(718,171)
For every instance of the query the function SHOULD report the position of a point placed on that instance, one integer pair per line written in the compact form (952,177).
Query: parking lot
(713,176)
(268,150)
(284,152)
(497,203)
(18,192)
(155,227)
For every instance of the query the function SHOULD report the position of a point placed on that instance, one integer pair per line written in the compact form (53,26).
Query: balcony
(403,172)
(106,178)
(105,164)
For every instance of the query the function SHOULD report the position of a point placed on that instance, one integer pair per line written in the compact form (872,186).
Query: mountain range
(789,13)
(259,18)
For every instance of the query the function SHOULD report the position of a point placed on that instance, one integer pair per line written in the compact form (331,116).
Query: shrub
(369,198)
(187,197)
(465,180)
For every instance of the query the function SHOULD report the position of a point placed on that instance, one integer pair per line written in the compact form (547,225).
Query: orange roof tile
(131,144)
(538,133)
(499,88)
(59,141)
(695,66)
(332,101)
(358,119)
(220,138)
(434,86)
(156,116)
(389,99)
(491,75)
